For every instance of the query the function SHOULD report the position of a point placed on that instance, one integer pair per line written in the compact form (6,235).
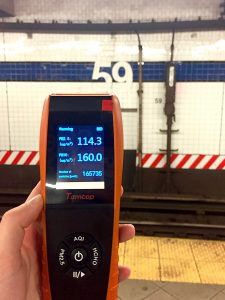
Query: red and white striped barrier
(185,161)
(154,161)
(19,157)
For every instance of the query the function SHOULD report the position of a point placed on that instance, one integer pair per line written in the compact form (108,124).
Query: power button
(78,256)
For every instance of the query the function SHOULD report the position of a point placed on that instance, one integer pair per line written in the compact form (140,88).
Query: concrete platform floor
(155,290)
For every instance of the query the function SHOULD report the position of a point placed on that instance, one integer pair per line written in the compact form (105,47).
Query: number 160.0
(86,157)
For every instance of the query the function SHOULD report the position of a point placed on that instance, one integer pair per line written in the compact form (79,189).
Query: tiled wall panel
(222,132)
(199,46)
(2,46)
(25,107)
(4,121)
(198,118)
(103,49)
(96,10)
(197,114)
(99,48)
(38,65)
(153,117)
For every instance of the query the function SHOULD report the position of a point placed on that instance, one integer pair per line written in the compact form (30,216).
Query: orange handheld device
(81,156)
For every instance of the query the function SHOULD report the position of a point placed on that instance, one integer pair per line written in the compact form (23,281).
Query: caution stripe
(149,160)
(19,157)
(185,161)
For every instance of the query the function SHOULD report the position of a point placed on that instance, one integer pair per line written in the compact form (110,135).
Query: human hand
(20,250)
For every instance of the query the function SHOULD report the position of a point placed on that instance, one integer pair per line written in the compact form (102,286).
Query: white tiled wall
(2,46)
(198,105)
(4,122)
(195,46)
(117,10)
(58,47)
(222,132)
(153,117)
(198,117)
(25,106)
(199,114)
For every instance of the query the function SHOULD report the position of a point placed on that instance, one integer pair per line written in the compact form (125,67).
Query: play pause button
(79,274)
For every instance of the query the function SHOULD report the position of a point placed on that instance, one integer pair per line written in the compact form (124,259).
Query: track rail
(175,215)
(181,230)
(157,215)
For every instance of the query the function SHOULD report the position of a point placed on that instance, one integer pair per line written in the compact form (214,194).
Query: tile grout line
(160,273)
(145,297)
(213,297)
(196,265)
(170,294)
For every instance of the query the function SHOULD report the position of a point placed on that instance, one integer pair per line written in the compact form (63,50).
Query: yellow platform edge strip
(176,260)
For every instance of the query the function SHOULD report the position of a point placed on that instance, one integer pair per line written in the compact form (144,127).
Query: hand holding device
(81,157)
(20,250)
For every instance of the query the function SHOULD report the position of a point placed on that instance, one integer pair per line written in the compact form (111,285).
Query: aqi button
(79,238)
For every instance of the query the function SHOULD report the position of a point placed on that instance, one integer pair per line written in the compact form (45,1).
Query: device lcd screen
(80,157)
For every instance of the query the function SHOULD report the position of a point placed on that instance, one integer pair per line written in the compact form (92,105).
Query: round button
(62,253)
(78,256)
(95,257)
(79,274)
(79,239)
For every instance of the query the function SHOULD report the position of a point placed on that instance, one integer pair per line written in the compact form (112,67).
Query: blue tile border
(82,71)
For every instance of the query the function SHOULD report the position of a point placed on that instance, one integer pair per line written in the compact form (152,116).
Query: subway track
(175,215)
(157,215)
(182,230)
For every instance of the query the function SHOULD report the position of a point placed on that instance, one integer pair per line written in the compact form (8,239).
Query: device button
(62,253)
(79,238)
(95,256)
(78,256)
(79,274)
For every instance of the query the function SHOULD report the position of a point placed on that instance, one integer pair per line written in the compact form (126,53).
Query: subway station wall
(117,10)
(34,66)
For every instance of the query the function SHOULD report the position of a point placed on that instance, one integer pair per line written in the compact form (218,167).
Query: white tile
(222,133)
(160,295)
(153,117)
(192,291)
(4,122)
(130,130)
(200,46)
(2,46)
(136,289)
(82,10)
(219,296)
(25,107)
(198,117)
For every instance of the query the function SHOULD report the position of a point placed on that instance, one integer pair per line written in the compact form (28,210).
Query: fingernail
(35,199)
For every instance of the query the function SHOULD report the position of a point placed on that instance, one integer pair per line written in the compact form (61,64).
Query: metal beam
(108,28)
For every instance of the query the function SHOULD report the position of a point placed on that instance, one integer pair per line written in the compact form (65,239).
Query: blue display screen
(80,157)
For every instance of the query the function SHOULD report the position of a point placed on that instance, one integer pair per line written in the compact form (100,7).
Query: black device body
(78,222)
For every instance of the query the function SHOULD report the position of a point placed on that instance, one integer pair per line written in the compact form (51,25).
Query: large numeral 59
(127,77)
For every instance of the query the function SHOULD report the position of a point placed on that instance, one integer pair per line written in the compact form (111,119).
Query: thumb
(14,222)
